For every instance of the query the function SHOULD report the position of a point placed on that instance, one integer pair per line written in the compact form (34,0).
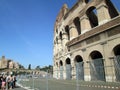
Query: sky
(26,30)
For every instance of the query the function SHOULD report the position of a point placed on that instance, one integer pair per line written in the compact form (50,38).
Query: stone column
(72,68)
(65,40)
(73,31)
(59,45)
(86,62)
(108,63)
(64,66)
(85,24)
(56,51)
(55,72)
(103,13)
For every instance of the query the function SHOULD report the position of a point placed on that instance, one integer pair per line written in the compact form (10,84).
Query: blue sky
(26,30)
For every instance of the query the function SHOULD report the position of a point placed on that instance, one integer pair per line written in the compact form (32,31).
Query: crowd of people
(7,82)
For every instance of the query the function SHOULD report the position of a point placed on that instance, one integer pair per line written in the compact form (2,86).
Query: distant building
(87,42)
(3,63)
(8,64)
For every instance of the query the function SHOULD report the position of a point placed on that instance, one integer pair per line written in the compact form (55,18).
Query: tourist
(3,86)
(0,81)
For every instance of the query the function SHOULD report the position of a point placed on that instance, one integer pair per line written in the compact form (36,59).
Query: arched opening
(61,63)
(97,66)
(111,8)
(56,30)
(56,40)
(117,62)
(68,61)
(92,15)
(96,55)
(61,69)
(77,25)
(61,36)
(68,69)
(67,31)
(87,1)
(117,50)
(79,67)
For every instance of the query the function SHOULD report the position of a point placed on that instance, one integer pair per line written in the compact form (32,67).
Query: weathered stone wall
(87,33)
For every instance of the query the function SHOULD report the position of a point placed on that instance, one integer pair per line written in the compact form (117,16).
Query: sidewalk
(18,88)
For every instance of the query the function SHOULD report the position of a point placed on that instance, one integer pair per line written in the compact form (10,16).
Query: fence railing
(47,82)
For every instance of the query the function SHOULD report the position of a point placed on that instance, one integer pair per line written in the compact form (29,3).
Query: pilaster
(85,24)
(103,13)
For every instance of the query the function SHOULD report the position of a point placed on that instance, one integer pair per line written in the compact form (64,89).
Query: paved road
(99,86)
(83,88)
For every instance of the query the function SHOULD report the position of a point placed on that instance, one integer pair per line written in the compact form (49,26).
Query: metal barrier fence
(98,75)
(47,82)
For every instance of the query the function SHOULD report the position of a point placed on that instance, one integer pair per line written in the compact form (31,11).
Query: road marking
(101,86)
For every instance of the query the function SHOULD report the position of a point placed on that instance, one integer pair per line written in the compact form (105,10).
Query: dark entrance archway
(117,62)
(79,67)
(61,69)
(68,69)
(97,66)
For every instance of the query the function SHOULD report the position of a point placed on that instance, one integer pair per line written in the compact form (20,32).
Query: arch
(61,63)
(68,61)
(111,8)
(68,68)
(97,66)
(79,67)
(77,25)
(60,35)
(67,31)
(56,40)
(96,55)
(116,51)
(78,58)
(92,15)
(61,69)
(87,1)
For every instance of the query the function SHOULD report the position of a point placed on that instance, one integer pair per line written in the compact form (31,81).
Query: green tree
(47,68)
(37,68)
(29,67)
(21,66)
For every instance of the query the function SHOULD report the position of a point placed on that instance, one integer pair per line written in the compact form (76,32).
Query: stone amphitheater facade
(87,42)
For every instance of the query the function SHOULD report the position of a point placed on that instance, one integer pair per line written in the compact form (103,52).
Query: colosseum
(87,42)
